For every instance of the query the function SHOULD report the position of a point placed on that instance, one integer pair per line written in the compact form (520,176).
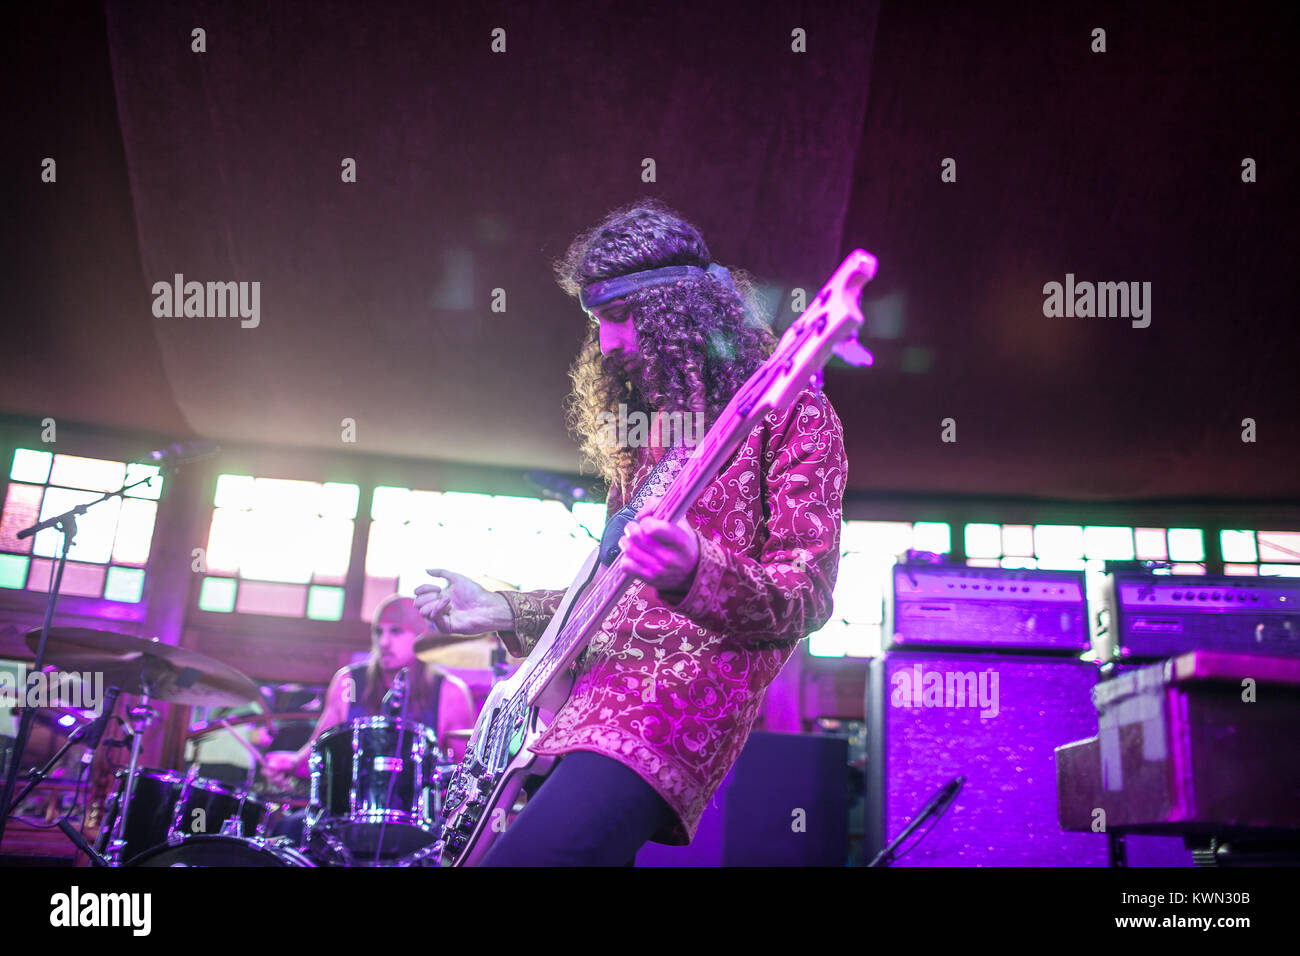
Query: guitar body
(498,759)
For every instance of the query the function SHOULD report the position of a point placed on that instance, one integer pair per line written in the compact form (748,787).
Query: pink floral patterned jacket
(671,684)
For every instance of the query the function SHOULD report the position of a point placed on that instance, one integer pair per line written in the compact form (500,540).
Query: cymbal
(138,666)
(472,653)
(495,584)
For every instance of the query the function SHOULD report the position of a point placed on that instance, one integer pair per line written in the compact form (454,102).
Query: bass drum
(222,851)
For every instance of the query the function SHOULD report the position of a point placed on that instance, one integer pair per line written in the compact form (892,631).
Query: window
(1061,547)
(279,547)
(1082,547)
(109,554)
(868,549)
(1261,552)
(521,542)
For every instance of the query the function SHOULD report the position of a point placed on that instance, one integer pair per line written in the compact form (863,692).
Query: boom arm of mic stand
(36,777)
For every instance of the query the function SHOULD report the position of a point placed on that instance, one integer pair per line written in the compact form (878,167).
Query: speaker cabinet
(995,720)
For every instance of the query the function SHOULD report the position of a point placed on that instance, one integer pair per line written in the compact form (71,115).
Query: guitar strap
(652,489)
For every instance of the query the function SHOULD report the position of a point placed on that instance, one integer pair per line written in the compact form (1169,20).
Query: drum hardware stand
(67,524)
(176,832)
(337,847)
(142,717)
(395,703)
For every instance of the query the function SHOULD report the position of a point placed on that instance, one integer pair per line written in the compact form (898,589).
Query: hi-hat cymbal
(138,666)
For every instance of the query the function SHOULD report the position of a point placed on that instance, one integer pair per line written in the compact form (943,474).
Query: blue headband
(607,290)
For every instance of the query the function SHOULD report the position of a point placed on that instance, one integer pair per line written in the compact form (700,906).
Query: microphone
(395,700)
(557,487)
(944,796)
(94,732)
(181,453)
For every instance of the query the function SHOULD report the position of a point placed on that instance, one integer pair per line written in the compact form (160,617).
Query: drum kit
(377,790)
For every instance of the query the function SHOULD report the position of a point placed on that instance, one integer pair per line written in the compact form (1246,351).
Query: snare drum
(374,788)
(222,851)
(168,806)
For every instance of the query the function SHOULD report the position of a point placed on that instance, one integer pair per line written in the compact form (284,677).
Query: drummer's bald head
(398,610)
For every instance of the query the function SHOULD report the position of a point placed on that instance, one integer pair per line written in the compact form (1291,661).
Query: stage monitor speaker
(994,719)
(784,803)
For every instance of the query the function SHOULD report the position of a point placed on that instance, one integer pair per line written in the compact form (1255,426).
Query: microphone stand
(935,808)
(394,703)
(67,524)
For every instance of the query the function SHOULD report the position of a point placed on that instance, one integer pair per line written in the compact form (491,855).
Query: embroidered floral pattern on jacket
(671,686)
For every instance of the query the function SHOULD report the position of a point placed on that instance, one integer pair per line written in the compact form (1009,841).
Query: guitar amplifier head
(1005,609)
(1156,616)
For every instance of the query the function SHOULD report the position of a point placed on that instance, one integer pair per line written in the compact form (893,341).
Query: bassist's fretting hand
(660,553)
(462,607)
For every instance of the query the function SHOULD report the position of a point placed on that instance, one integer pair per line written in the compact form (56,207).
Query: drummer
(434,697)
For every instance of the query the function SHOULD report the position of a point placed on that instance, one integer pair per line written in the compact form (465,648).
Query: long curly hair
(701,339)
